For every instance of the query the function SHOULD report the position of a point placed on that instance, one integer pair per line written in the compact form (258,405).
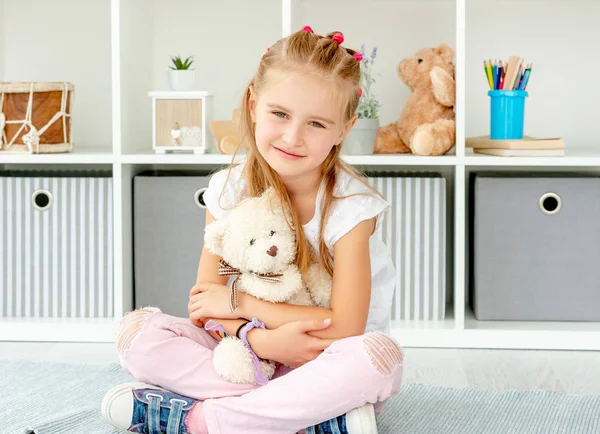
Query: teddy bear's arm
(444,86)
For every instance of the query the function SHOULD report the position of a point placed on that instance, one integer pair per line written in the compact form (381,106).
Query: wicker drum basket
(36,117)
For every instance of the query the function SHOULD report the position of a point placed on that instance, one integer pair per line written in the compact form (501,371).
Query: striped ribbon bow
(227,270)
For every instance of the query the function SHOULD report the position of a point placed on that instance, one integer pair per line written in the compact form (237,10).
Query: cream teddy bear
(258,249)
(426,125)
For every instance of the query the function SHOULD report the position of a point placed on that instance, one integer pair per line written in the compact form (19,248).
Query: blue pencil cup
(507,114)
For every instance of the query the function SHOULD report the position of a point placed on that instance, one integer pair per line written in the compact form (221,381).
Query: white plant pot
(361,138)
(181,79)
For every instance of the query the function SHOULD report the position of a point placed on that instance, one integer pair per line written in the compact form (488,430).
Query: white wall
(226,38)
(136,53)
(1,40)
(64,40)
(397,27)
(561,38)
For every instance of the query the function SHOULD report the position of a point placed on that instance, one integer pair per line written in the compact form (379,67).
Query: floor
(570,372)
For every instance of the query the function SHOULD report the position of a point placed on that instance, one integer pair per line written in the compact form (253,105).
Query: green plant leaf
(179,64)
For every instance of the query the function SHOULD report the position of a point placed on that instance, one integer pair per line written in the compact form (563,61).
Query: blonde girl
(337,365)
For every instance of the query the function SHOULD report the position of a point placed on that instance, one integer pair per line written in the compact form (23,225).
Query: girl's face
(299,119)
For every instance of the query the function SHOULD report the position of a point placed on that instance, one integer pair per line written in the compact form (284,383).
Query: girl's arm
(350,295)
(209,263)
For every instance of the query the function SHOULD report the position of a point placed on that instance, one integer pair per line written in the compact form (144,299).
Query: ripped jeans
(176,355)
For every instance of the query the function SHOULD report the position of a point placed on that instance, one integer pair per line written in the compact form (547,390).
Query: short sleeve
(348,212)
(226,189)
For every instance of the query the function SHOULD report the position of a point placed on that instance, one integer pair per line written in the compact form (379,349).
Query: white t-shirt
(227,188)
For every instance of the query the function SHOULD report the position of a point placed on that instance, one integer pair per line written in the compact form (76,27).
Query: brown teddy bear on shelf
(426,125)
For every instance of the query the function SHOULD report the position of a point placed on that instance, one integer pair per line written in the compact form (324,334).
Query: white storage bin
(415,234)
(56,235)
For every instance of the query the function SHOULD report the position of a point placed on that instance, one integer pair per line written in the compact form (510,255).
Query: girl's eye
(280,114)
(271,233)
(316,124)
(252,241)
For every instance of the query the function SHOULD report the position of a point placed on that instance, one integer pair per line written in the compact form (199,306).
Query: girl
(338,361)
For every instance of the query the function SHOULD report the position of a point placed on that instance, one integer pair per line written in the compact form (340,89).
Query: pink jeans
(174,354)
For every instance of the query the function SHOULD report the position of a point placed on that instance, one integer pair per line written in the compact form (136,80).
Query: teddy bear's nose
(272,251)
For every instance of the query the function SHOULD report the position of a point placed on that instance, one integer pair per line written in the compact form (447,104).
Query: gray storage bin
(168,234)
(535,247)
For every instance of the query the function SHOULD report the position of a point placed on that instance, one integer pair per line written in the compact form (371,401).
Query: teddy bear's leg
(434,138)
(233,362)
(388,140)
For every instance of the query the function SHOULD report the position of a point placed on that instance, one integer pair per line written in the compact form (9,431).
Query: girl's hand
(209,300)
(291,344)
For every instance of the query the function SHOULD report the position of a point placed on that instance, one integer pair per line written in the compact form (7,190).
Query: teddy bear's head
(414,70)
(254,236)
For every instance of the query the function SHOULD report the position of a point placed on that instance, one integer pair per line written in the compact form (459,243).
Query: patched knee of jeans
(384,352)
(131,326)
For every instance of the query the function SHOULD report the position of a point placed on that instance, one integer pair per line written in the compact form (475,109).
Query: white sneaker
(128,406)
(361,420)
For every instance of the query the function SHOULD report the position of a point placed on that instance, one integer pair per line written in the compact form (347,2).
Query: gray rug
(51,398)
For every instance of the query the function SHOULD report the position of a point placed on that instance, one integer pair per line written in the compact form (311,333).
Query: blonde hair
(304,51)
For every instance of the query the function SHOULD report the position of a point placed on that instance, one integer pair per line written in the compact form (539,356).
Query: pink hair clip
(359,92)
(266,51)
(338,37)
(358,56)
(307,29)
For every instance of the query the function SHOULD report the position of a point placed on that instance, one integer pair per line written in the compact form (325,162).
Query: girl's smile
(288,155)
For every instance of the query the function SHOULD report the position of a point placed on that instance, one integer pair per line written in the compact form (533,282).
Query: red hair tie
(338,37)
(359,92)
(307,29)
(358,56)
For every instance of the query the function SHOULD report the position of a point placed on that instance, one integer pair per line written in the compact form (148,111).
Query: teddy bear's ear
(268,196)
(213,236)
(445,52)
(272,202)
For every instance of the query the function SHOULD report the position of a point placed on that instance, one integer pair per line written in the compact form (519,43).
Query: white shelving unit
(115,51)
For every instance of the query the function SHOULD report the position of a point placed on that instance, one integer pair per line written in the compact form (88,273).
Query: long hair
(304,51)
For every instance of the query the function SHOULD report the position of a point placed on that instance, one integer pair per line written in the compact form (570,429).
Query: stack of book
(525,147)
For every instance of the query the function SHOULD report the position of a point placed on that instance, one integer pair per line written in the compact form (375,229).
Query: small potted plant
(180,76)
(361,139)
